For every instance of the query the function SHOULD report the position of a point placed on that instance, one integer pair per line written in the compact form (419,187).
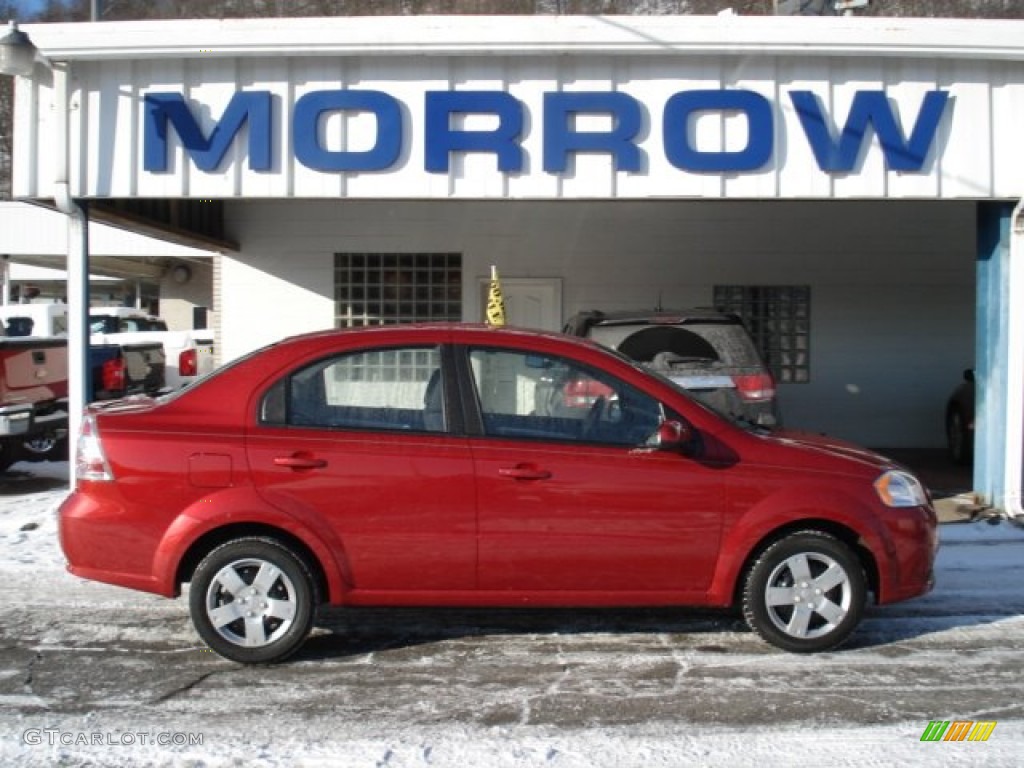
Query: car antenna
(659,307)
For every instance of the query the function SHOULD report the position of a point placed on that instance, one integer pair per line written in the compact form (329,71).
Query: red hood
(832,446)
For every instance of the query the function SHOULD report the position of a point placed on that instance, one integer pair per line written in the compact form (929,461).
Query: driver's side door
(569,497)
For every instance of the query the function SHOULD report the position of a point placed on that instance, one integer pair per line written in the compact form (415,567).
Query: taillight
(757,387)
(188,363)
(90,460)
(114,375)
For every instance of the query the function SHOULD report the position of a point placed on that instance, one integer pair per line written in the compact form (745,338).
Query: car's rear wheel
(805,593)
(252,600)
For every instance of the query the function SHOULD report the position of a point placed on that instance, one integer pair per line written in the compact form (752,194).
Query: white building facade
(826,174)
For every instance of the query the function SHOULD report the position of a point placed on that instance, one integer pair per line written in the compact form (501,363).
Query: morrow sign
(836,148)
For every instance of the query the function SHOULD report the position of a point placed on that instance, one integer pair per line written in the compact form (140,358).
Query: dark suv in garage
(707,352)
(960,421)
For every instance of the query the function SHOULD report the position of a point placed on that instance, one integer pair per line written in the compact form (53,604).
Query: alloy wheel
(251,602)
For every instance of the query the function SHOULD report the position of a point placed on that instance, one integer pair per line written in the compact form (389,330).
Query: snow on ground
(980,566)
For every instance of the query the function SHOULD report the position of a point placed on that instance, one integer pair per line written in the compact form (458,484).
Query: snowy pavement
(95,675)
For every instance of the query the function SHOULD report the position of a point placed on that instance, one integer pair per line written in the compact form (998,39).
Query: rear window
(725,343)
(20,326)
(643,345)
(114,324)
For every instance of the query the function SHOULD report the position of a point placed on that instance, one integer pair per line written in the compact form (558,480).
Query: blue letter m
(207,152)
(870,109)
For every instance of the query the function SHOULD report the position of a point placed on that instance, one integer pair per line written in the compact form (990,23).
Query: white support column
(6,288)
(1014,434)
(79,378)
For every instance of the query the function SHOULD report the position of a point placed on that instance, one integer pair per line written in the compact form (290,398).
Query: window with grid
(388,288)
(779,320)
(385,366)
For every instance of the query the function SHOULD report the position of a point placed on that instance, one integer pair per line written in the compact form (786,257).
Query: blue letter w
(870,109)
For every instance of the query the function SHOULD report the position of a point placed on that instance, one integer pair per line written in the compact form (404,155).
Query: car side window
(542,397)
(382,389)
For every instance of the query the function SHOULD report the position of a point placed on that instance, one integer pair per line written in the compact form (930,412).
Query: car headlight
(900,489)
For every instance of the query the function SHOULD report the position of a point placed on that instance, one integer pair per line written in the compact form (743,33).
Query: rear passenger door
(367,447)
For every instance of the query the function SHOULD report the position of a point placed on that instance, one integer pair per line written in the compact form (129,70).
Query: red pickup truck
(33,397)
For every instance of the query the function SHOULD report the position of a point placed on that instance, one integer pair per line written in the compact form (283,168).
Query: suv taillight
(188,363)
(755,388)
(114,375)
(90,460)
(583,393)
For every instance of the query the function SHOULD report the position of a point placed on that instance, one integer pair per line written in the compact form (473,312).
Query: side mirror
(671,436)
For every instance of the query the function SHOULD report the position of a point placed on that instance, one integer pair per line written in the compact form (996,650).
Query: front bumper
(913,543)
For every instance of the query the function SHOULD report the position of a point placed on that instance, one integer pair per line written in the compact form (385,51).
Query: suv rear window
(643,345)
(725,343)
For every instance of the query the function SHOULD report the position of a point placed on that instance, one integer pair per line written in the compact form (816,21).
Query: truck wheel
(805,593)
(252,600)
(45,448)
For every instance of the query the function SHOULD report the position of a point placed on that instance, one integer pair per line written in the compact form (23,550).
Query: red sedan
(453,465)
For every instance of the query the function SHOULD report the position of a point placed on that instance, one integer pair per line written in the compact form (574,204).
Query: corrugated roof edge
(525,35)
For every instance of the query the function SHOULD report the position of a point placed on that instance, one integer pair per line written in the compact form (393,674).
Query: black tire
(959,438)
(47,447)
(809,568)
(246,621)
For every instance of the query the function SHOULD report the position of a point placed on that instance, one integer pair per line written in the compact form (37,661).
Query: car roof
(454,331)
(300,346)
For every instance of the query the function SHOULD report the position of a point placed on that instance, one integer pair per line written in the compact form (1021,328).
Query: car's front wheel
(252,600)
(805,593)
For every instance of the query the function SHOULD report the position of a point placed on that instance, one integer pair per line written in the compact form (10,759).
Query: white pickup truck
(188,354)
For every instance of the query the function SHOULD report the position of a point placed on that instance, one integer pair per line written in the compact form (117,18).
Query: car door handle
(524,472)
(300,461)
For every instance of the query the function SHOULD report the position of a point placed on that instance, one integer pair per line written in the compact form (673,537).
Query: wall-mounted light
(181,274)
(18,54)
